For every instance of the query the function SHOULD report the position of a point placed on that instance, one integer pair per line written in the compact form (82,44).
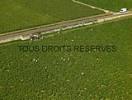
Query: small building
(123,10)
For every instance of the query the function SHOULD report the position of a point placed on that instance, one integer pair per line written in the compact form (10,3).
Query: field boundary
(93,7)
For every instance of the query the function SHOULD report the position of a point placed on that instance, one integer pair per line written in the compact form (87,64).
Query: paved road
(46,29)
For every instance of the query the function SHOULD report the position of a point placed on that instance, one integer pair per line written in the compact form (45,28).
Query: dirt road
(56,27)
(93,7)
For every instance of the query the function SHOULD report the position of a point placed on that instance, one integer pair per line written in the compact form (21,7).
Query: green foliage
(74,75)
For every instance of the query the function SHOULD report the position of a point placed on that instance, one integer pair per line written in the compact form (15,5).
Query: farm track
(56,27)
(93,7)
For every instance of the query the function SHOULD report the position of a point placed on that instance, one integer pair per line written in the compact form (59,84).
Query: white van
(123,10)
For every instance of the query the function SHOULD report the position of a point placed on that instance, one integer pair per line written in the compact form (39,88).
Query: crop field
(114,5)
(20,14)
(70,75)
